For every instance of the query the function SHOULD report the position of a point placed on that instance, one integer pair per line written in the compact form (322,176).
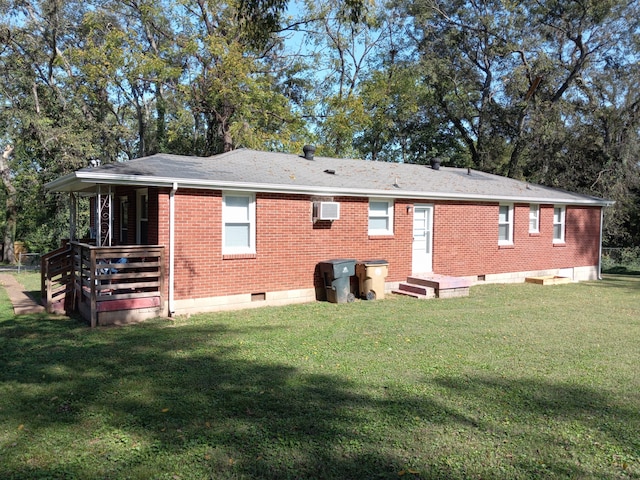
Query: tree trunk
(514,159)
(11,216)
(223,118)
(227,139)
(161,130)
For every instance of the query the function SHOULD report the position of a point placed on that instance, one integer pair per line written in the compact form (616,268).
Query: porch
(107,285)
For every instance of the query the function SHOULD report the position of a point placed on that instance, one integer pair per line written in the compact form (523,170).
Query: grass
(31,282)
(513,382)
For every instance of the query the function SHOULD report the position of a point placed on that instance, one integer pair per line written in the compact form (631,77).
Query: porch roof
(256,171)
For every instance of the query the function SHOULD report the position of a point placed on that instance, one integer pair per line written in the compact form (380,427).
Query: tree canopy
(542,90)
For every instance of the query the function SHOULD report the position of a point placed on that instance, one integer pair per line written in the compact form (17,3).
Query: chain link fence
(616,258)
(29,261)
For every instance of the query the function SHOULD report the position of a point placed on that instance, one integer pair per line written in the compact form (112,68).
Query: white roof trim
(86,180)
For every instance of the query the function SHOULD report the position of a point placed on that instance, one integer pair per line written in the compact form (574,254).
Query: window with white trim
(238,223)
(505,224)
(558,224)
(534,218)
(380,217)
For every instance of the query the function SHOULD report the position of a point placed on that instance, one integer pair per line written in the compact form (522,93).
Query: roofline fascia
(138,180)
(54,185)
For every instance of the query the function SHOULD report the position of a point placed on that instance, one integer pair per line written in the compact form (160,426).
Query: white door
(422,238)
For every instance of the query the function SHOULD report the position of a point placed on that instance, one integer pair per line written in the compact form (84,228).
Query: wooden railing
(102,280)
(56,287)
(117,278)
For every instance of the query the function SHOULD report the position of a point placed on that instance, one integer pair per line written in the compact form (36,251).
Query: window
(380,217)
(124,220)
(239,223)
(505,225)
(534,218)
(558,224)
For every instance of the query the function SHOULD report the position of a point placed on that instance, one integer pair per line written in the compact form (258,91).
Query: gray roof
(251,170)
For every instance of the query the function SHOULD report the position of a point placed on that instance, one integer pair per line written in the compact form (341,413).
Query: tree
(10,219)
(341,41)
(594,148)
(116,80)
(38,118)
(502,70)
(230,90)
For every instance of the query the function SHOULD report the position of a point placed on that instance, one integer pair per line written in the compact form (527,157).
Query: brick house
(248,228)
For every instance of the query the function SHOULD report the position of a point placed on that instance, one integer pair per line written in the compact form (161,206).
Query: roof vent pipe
(435,163)
(309,150)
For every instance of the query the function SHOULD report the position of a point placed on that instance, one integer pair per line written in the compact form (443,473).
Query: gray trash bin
(336,276)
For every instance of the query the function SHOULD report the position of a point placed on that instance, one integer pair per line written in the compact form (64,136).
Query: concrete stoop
(434,286)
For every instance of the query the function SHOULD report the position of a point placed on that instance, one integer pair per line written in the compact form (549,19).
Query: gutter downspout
(600,255)
(172,240)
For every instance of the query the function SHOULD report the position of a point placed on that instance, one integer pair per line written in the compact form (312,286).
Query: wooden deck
(434,285)
(107,285)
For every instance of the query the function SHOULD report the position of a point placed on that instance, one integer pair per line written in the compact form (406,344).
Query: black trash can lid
(339,260)
(374,262)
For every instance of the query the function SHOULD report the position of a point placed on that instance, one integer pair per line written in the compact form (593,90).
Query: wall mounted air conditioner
(326,211)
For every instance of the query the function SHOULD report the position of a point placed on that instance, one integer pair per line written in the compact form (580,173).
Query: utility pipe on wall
(172,239)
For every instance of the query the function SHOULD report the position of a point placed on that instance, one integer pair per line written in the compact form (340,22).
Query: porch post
(104,218)
(98,217)
(93,304)
(73,216)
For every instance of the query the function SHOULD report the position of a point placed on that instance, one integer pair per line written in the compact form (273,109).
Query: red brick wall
(466,240)
(289,245)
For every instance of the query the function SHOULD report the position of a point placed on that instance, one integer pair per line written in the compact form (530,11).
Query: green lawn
(513,382)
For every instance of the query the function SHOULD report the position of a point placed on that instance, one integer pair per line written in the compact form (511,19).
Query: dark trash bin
(336,276)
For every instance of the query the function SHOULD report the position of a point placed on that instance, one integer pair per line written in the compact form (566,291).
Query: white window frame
(249,220)
(534,218)
(388,216)
(559,222)
(509,223)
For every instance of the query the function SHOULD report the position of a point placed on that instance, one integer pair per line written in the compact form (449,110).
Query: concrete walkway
(23,304)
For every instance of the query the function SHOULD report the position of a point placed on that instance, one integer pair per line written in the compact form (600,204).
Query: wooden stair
(428,286)
(415,290)
(56,274)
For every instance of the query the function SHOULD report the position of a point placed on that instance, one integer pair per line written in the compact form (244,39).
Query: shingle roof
(253,170)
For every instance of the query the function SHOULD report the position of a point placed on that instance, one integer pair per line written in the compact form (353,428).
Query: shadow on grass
(629,281)
(188,394)
(621,270)
(35,295)
(535,399)
(176,389)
